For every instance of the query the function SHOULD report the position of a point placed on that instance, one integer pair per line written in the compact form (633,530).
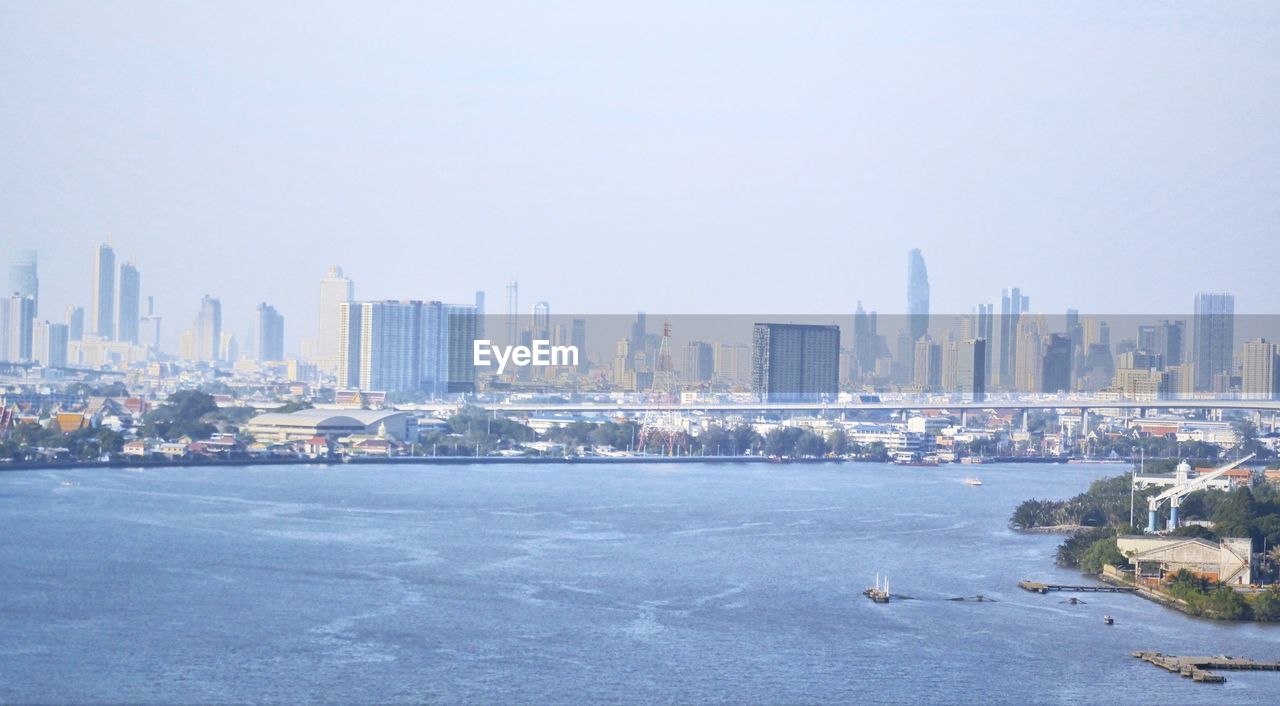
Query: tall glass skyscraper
(917,295)
(23,278)
(270,333)
(130,303)
(1213,337)
(102,317)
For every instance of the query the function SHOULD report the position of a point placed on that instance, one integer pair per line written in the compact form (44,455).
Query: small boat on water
(972,481)
(1108,620)
(876,593)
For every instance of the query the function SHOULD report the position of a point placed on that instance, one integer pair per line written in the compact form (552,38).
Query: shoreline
(404,460)
(464,460)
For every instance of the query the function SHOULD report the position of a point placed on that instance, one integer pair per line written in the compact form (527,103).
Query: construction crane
(1181,488)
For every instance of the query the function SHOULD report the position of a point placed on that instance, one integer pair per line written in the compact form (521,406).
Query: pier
(1038,587)
(1197,668)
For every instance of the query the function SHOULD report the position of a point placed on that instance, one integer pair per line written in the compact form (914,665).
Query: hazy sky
(681,157)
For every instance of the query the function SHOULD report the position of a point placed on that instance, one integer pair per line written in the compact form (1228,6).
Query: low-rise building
(1155,558)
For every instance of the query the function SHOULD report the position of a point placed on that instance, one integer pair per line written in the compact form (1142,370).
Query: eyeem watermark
(540,354)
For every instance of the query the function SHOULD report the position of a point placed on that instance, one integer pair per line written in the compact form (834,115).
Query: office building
(270,333)
(1013,304)
(1213,336)
(102,315)
(927,375)
(24,278)
(698,358)
(130,304)
(795,362)
(1260,370)
(17,328)
(150,327)
(206,333)
(335,289)
(577,339)
(448,339)
(75,323)
(917,295)
(51,342)
(1056,366)
(971,369)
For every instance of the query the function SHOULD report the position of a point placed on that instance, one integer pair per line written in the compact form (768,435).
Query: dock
(1198,668)
(1038,587)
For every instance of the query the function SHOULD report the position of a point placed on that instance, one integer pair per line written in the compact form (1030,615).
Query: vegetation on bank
(1210,600)
(1101,514)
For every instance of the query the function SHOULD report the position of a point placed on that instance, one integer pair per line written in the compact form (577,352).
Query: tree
(183,414)
(1100,553)
(838,442)
(1266,605)
(1234,517)
(810,445)
(745,439)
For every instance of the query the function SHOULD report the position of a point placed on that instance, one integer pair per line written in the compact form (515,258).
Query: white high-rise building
(103,314)
(334,290)
(51,345)
(206,334)
(17,326)
(406,346)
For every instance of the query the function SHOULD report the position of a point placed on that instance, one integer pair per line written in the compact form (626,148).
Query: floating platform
(1037,587)
(1197,668)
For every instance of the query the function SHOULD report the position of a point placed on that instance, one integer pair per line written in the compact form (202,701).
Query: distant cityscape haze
(723,158)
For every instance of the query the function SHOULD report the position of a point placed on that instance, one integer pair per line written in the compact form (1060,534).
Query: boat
(904,458)
(876,593)
(1108,620)
(972,481)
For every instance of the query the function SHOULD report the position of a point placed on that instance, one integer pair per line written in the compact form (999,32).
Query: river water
(568,583)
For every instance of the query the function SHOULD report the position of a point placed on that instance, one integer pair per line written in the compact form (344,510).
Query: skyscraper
(334,289)
(18,324)
(917,295)
(928,364)
(1213,337)
(207,331)
(971,368)
(270,333)
(1260,370)
(863,345)
(1170,341)
(447,341)
(1013,304)
(23,278)
(795,362)
(103,313)
(50,349)
(150,336)
(480,328)
(542,321)
(130,302)
(513,311)
(75,323)
(1056,366)
(699,362)
(578,339)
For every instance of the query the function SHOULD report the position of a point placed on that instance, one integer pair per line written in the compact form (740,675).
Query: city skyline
(423,132)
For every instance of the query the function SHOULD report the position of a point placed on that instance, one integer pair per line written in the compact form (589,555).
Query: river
(568,583)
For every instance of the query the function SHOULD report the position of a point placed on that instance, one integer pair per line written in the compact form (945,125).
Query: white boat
(972,481)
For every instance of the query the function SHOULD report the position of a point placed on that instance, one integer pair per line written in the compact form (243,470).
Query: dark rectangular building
(795,362)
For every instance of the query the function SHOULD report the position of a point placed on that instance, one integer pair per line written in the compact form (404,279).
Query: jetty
(1198,668)
(1038,587)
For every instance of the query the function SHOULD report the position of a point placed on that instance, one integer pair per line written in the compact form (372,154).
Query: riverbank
(406,460)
